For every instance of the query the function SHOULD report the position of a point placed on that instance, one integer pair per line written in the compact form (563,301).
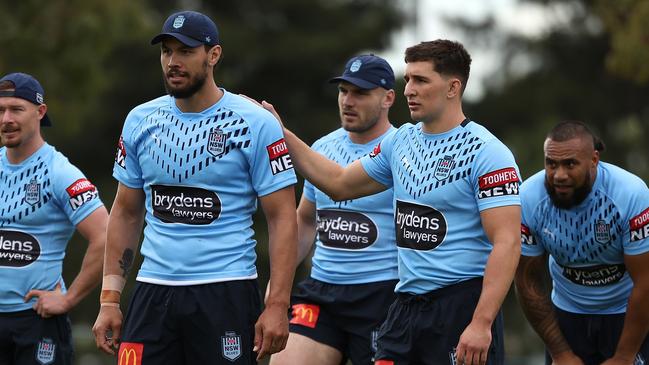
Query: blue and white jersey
(587,243)
(355,240)
(441,184)
(42,199)
(201,174)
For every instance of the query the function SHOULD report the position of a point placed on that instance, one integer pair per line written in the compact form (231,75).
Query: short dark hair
(447,57)
(570,129)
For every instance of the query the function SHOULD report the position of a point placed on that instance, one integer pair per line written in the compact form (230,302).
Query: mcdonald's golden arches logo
(305,314)
(130,353)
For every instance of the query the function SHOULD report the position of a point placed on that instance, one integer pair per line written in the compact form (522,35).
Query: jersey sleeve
(637,225)
(271,167)
(76,195)
(495,177)
(126,168)
(530,244)
(377,163)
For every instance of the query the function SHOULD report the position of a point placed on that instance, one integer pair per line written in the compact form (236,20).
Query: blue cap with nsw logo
(367,72)
(28,88)
(191,28)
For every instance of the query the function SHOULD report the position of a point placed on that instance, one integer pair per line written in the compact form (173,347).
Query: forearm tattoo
(126,263)
(533,287)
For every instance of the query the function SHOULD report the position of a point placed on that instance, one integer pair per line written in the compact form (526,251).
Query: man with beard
(590,220)
(337,311)
(44,199)
(192,164)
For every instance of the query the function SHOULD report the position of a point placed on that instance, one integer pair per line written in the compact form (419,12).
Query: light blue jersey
(441,184)
(587,243)
(355,240)
(42,199)
(201,174)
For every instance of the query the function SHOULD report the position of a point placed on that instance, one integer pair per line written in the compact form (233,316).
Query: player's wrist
(111,290)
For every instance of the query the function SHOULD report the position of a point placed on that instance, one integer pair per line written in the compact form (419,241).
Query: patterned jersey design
(586,243)
(14,190)
(354,238)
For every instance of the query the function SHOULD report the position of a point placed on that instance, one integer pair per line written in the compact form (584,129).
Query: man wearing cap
(337,311)
(44,198)
(456,216)
(192,164)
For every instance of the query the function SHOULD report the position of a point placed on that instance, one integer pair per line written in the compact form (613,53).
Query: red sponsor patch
(80,186)
(639,220)
(498,178)
(277,149)
(525,229)
(384,362)
(120,156)
(376,150)
(526,236)
(130,353)
(305,314)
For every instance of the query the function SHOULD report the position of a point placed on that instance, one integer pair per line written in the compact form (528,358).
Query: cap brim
(188,41)
(363,84)
(46,121)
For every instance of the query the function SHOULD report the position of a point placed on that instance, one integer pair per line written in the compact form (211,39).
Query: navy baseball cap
(367,72)
(28,88)
(191,28)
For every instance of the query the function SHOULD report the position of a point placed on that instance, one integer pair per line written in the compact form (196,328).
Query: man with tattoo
(589,222)
(192,164)
(44,198)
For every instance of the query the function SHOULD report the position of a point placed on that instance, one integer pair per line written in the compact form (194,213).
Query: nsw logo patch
(216,143)
(602,232)
(46,351)
(279,158)
(32,192)
(444,167)
(231,345)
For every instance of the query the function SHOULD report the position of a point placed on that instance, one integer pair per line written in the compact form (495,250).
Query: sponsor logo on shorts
(130,353)
(419,227)
(80,192)
(600,275)
(375,152)
(639,226)
(526,236)
(46,351)
(602,232)
(444,167)
(184,204)
(374,337)
(384,362)
(231,346)
(120,156)
(216,142)
(639,360)
(32,192)
(452,356)
(280,160)
(345,229)
(498,183)
(18,249)
(305,314)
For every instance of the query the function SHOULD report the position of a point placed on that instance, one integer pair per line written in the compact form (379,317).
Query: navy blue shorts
(197,324)
(594,337)
(27,338)
(345,317)
(425,329)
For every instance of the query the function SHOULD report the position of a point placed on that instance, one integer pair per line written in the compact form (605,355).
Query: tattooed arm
(123,235)
(533,287)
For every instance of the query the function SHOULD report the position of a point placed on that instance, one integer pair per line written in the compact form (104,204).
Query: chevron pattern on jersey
(15,207)
(574,233)
(179,148)
(337,150)
(420,156)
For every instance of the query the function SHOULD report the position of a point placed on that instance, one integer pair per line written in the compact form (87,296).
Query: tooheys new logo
(347,230)
(419,227)
(18,249)
(120,156)
(280,160)
(526,236)
(183,204)
(498,183)
(639,226)
(80,192)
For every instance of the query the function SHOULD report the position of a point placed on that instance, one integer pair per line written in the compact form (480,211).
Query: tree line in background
(94,60)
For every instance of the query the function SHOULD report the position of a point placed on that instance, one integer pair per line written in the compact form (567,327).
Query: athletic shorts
(197,324)
(594,337)
(425,329)
(345,317)
(26,338)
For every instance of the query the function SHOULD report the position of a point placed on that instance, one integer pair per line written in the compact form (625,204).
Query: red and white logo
(280,160)
(120,156)
(498,183)
(526,236)
(376,150)
(639,226)
(80,192)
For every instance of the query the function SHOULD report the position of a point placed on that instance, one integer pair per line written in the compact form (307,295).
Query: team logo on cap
(231,346)
(39,98)
(179,21)
(32,192)
(46,351)
(356,65)
(216,142)
(444,167)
